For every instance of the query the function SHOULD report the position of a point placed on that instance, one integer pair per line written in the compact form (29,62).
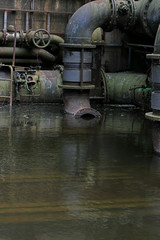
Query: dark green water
(66,179)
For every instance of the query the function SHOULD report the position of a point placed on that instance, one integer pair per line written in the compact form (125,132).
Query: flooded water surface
(67,179)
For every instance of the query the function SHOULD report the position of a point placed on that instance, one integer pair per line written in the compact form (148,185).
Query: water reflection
(62,178)
(156,136)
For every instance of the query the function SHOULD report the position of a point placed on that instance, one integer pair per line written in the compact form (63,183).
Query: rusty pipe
(22,61)
(41,54)
(78,104)
(26,38)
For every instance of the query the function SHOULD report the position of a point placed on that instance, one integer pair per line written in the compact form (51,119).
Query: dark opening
(87,116)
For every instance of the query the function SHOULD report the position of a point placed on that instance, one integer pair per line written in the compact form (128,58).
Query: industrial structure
(107,50)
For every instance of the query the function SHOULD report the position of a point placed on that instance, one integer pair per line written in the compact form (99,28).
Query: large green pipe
(127,88)
(41,86)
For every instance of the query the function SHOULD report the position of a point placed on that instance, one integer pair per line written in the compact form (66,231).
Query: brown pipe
(78,104)
(21,38)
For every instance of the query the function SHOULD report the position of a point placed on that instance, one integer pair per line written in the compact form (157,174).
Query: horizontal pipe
(21,38)
(55,39)
(127,88)
(21,61)
(28,53)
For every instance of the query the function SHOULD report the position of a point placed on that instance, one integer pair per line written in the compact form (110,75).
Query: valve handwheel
(41,38)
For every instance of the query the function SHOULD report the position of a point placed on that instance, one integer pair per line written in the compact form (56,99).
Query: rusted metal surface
(40,38)
(6,84)
(42,87)
(29,86)
(78,104)
(127,88)
(35,53)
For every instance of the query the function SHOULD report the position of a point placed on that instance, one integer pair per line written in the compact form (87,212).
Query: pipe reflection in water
(62,178)
(156,136)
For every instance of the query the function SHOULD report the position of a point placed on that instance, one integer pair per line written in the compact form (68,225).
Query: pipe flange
(128,17)
(105,86)
(132,14)
(153,56)
(88,111)
(147,29)
(113,21)
(153,117)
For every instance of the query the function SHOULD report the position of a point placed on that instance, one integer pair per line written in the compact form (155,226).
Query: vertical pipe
(14,48)
(5,20)
(48,22)
(32,4)
(31,16)
(27,21)
(11,86)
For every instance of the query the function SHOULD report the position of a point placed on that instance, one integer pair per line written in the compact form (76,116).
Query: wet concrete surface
(65,179)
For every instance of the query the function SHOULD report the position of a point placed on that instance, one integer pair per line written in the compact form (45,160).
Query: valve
(41,38)
(123,8)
